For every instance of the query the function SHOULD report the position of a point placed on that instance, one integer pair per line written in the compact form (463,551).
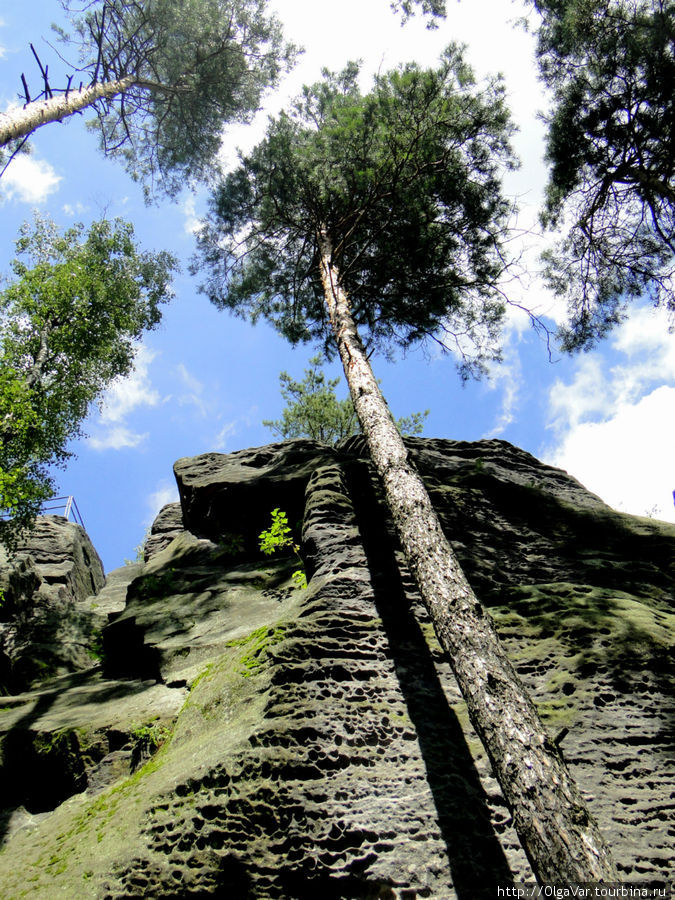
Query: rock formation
(43,629)
(245,738)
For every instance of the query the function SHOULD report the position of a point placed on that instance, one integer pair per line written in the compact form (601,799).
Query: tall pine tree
(382,215)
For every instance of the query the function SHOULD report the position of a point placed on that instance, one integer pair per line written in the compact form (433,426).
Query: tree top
(405,180)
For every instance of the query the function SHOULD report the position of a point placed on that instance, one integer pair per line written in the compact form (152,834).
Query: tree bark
(18,123)
(560,837)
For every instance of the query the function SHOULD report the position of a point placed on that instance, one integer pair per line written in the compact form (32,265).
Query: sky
(204,380)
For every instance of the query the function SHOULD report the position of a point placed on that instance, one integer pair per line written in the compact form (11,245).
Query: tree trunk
(560,837)
(18,123)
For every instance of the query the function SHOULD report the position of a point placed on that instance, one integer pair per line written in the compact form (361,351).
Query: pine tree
(163,78)
(433,9)
(382,214)
(611,68)
(313,410)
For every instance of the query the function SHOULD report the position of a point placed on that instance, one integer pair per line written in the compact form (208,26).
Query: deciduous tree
(69,323)
(383,214)
(163,79)
(611,144)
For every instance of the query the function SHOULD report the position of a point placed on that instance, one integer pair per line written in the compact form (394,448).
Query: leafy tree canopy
(69,322)
(314,411)
(177,73)
(611,67)
(406,181)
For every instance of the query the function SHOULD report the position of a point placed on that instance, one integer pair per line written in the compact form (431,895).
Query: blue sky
(205,381)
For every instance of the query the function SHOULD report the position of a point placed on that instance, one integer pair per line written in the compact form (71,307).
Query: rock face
(43,630)
(167,525)
(248,739)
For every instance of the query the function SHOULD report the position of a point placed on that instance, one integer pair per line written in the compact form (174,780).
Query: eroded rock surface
(43,630)
(168,525)
(313,743)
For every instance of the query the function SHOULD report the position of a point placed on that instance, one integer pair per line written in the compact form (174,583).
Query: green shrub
(278,537)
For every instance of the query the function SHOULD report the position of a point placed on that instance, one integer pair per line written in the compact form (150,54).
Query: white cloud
(125,396)
(229,430)
(117,438)
(644,339)
(29,180)
(233,427)
(601,390)
(192,222)
(128,393)
(590,394)
(194,389)
(615,422)
(507,376)
(71,209)
(628,459)
(524,286)
(166,492)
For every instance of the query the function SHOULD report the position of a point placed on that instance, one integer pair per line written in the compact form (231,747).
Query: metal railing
(67,504)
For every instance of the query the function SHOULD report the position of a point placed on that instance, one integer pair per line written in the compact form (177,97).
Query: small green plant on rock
(153,734)
(139,549)
(232,543)
(278,537)
(161,584)
(96,650)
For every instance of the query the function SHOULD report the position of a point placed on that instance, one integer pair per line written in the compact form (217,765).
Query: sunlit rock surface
(43,629)
(241,737)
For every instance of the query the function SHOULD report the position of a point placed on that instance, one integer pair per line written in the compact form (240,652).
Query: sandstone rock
(319,746)
(75,730)
(63,556)
(80,732)
(230,496)
(168,524)
(43,630)
(111,599)
(188,605)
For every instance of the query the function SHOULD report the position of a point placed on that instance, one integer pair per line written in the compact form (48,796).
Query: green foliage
(279,537)
(434,9)
(161,584)
(69,325)
(194,66)
(412,424)
(406,182)
(232,543)
(139,549)
(300,578)
(610,66)
(258,645)
(152,734)
(313,410)
(96,650)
